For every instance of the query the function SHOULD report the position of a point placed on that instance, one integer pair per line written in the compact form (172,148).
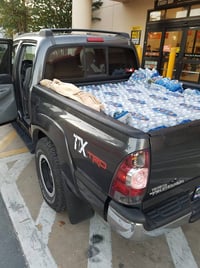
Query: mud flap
(78,209)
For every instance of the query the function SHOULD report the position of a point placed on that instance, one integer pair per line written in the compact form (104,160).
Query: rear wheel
(49,174)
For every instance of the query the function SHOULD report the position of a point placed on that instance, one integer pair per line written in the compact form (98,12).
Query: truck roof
(78,35)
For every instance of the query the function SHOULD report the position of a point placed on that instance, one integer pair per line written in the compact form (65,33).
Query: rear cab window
(85,63)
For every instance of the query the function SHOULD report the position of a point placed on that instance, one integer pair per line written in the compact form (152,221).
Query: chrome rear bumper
(136,231)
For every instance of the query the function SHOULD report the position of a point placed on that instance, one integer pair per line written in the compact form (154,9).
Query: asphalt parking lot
(48,240)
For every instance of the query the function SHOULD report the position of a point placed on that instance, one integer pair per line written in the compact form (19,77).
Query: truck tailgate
(174,174)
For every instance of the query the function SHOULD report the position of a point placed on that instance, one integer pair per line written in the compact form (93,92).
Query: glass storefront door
(190,69)
(172,39)
(158,47)
(152,52)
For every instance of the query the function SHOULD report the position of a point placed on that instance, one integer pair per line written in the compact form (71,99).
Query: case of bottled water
(148,101)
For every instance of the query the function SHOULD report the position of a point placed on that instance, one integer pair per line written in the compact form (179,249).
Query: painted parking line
(11,175)
(100,245)
(33,236)
(180,250)
(17,167)
(45,221)
(6,141)
(35,250)
(13,152)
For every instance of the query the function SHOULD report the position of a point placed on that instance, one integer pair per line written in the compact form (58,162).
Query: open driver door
(8,107)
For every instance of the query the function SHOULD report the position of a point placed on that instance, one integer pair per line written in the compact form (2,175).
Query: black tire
(49,174)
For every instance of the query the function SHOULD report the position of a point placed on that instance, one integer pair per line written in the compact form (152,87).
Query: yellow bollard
(139,52)
(164,69)
(172,57)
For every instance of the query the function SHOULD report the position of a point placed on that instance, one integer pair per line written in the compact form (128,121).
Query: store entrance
(174,24)
(190,61)
(157,48)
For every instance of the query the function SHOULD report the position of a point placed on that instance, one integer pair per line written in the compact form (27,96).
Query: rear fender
(51,129)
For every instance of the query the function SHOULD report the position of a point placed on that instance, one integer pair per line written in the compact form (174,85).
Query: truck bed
(147,106)
(174,174)
(172,121)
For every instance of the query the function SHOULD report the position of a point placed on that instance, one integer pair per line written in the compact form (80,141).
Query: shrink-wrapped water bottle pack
(148,101)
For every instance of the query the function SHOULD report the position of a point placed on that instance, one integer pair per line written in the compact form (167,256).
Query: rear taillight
(130,180)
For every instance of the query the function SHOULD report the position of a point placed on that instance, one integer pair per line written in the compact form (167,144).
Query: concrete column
(81,13)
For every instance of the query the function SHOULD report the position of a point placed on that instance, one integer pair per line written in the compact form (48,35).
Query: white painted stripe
(180,250)
(102,251)
(35,250)
(45,221)
(16,157)
(18,167)
(3,173)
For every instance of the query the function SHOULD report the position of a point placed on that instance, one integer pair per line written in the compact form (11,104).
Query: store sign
(192,55)
(136,35)
(166,48)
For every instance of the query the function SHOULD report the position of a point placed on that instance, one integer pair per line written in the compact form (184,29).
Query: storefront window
(157,15)
(191,60)
(172,39)
(190,40)
(197,43)
(190,72)
(175,13)
(172,13)
(193,43)
(195,11)
(153,44)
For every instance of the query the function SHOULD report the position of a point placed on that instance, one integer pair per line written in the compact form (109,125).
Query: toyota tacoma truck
(142,183)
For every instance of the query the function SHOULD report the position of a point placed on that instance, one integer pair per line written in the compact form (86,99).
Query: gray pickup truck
(141,183)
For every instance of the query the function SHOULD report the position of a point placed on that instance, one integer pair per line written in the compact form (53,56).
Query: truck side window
(27,58)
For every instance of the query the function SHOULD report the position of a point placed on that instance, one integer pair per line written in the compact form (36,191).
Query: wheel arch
(51,129)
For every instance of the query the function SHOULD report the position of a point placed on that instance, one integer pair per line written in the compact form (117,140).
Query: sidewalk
(11,255)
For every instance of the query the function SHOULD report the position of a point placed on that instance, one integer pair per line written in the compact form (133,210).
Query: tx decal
(80,147)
